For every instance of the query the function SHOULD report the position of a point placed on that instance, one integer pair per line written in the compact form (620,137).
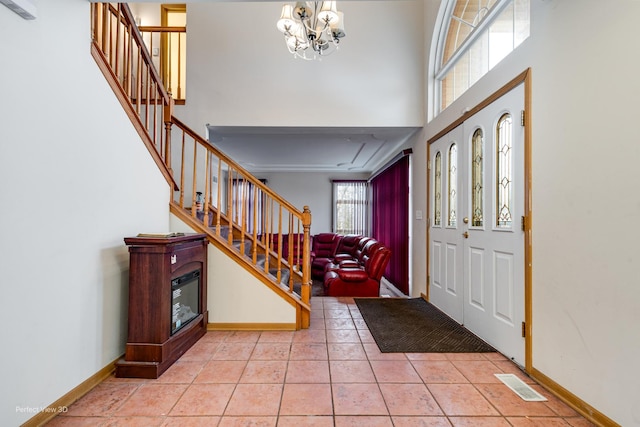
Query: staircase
(241,216)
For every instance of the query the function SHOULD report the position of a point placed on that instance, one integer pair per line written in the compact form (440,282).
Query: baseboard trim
(60,405)
(392,288)
(577,404)
(221,326)
(580,406)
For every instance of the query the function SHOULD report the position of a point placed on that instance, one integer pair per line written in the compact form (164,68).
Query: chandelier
(313,27)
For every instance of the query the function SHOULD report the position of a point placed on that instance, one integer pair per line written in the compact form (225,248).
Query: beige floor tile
(203,399)
(361,421)
(247,421)
(271,351)
(308,351)
(103,400)
(406,421)
(255,400)
(305,421)
(479,422)
(395,371)
(152,399)
(348,351)
(409,399)
(510,404)
(306,399)
(358,399)
(276,336)
(191,421)
(233,351)
(478,371)
(264,372)
(351,371)
(438,372)
(332,374)
(221,371)
(343,336)
(182,372)
(308,371)
(461,400)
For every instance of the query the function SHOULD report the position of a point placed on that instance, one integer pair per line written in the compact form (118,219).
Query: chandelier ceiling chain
(311,29)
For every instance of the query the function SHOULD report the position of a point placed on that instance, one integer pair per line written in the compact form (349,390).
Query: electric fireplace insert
(185,299)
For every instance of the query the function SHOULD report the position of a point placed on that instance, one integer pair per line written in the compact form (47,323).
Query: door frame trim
(524,77)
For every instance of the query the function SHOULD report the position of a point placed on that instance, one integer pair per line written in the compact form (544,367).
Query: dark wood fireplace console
(156,261)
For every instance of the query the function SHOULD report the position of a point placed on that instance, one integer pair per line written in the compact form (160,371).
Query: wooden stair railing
(168,47)
(248,219)
(120,52)
(241,210)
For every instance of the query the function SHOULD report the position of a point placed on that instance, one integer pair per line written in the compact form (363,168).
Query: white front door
(446,239)
(477,259)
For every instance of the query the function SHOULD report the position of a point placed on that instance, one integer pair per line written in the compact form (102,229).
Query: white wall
(228,282)
(243,74)
(76,180)
(586,298)
(310,189)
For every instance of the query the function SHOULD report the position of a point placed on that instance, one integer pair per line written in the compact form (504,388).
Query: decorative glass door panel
(476,259)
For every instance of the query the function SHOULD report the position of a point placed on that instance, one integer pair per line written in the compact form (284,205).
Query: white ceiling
(309,149)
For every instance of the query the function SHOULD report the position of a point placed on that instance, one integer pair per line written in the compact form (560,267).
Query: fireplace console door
(157,263)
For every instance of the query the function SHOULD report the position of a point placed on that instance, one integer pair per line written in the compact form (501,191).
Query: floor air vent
(520,388)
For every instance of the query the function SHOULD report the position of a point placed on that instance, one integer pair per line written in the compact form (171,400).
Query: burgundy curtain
(390,219)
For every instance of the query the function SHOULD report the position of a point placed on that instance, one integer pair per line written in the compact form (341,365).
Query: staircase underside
(289,287)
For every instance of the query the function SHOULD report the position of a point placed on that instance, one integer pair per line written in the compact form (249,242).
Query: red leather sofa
(323,249)
(358,281)
(358,259)
(348,265)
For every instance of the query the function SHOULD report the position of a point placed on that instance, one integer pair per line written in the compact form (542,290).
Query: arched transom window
(474,36)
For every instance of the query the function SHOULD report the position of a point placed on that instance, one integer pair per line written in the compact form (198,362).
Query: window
(474,36)
(452,190)
(477,174)
(350,202)
(504,172)
(437,190)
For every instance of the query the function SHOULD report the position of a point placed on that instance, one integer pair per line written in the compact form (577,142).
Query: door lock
(465,234)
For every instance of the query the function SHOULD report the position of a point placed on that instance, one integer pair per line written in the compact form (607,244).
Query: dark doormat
(401,325)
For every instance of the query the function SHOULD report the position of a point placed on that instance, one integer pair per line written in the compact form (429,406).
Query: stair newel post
(306,264)
(168,112)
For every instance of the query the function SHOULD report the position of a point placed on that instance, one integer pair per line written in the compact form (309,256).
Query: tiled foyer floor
(331,374)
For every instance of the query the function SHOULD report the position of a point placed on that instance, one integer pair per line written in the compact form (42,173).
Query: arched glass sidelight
(437,190)
(452,189)
(504,172)
(477,178)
